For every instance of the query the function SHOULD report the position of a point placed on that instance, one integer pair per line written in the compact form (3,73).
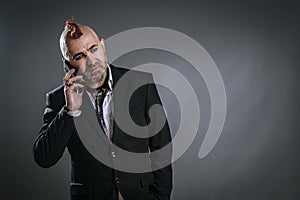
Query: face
(87,55)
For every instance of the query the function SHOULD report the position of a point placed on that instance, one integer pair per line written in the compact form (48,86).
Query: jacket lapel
(87,125)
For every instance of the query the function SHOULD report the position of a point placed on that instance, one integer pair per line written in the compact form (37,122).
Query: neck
(96,85)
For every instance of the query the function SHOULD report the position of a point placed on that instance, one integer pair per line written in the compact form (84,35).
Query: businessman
(87,92)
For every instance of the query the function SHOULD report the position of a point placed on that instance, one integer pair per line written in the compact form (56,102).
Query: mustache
(95,65)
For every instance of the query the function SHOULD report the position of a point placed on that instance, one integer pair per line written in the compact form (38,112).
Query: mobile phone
(68,67)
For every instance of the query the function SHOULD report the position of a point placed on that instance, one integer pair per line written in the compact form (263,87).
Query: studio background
(255,45)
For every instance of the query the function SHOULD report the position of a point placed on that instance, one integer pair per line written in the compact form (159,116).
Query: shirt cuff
(74,113)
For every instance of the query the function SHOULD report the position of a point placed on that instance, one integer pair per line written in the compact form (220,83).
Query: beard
(96,73)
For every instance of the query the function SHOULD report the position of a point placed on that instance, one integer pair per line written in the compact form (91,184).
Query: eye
(94,49)
(78,57)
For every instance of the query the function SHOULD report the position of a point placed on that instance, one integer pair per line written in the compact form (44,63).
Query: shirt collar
(110,78)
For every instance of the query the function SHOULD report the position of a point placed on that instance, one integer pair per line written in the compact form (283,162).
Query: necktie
(99,107)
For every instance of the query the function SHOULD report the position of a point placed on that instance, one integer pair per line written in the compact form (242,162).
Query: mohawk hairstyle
(72,29)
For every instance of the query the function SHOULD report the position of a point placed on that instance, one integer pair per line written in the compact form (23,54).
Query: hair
(71,31)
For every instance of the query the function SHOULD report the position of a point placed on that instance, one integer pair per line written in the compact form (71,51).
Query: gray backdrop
(255,45)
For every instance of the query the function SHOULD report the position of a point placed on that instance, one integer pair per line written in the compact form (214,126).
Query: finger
(75,78)
(76,85)
(67,84)
(69,74)
(76,88)
(73,86)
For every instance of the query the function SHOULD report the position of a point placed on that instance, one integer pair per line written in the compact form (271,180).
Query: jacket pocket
(80,190)
(147,180)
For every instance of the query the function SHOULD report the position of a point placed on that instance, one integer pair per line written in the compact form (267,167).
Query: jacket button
(113,154)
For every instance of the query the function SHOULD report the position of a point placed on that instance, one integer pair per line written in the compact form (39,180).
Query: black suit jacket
(90,178)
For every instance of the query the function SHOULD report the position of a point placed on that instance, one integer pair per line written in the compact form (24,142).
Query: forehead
(84,42)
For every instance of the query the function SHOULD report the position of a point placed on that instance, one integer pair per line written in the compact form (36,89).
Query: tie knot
(102,91)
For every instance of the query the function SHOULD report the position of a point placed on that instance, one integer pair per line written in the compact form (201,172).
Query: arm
(57,129)
(162,186)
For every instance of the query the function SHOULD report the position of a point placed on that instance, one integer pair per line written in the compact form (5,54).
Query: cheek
(99,55)
(82,67)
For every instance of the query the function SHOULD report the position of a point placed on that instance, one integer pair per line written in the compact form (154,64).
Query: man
(89,78)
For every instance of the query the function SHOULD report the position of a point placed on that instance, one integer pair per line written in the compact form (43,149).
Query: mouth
(97,67)
(94,69)
(94,73)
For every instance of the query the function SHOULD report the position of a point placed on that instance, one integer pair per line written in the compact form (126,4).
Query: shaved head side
(74,31)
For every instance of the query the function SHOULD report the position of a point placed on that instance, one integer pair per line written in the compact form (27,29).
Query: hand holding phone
(73,89)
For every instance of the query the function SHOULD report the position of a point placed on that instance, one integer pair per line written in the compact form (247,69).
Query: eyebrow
(91,47)
(94,45)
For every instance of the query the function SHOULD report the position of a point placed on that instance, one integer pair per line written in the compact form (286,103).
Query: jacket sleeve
(160,160)
(56,131)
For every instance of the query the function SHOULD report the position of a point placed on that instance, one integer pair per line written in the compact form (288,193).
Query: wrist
(66,109)
(73,113)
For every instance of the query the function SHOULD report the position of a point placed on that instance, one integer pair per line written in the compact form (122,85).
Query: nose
(90,60)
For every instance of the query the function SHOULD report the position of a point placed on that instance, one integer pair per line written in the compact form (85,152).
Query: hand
(73,95)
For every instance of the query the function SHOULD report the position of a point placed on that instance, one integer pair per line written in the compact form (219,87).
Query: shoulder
(117,69)
(118,72)
(56,91)
(55,96)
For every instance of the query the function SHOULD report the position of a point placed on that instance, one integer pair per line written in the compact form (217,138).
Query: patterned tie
(99,106)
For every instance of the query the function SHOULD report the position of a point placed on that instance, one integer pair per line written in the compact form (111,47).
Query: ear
(102,43)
